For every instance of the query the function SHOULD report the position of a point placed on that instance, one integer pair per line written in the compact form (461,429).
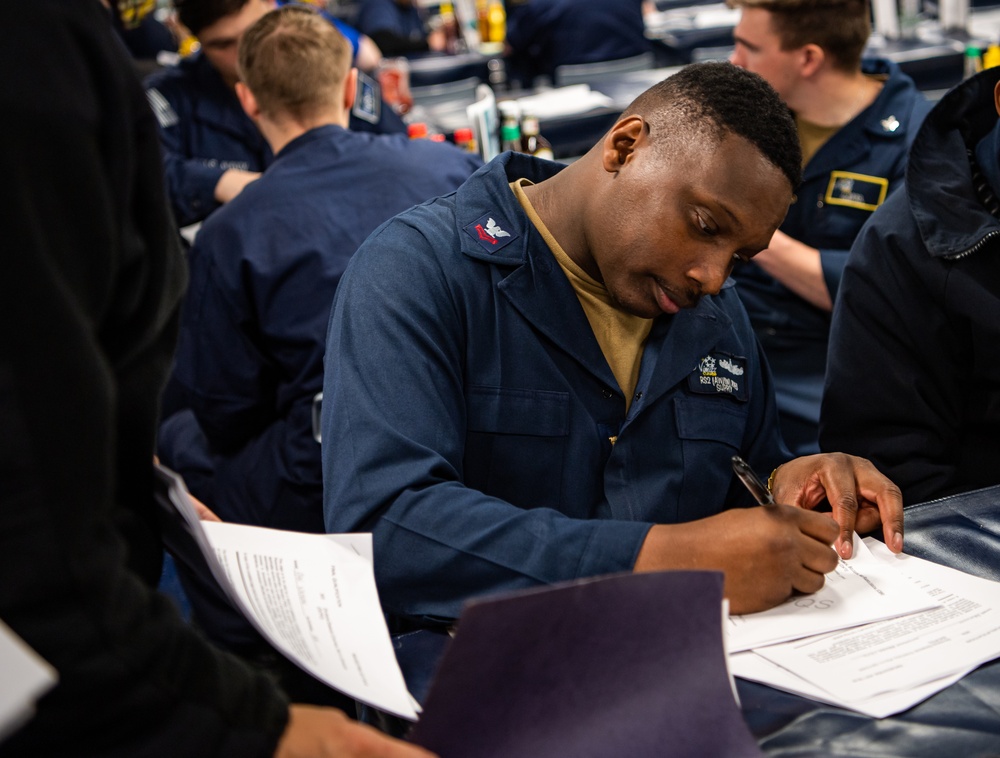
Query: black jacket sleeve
(88,300)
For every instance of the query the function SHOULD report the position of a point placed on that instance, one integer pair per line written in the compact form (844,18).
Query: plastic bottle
(483,20)
(465,139)
(991,57)
(973,63)
(532,142)
(510,126)
(449,24)
(496,19)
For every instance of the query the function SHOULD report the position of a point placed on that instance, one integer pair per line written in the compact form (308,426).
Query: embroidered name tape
(856,190)
(720,374)
(491,231)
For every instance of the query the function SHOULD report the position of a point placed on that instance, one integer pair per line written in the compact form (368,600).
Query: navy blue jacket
(914,373)
(470,410)
(263,274)
(847,179)
(204,131)
(544,34)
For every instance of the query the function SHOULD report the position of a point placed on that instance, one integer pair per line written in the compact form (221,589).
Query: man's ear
(811,59)
(619,143)
(248,101)
(996,97)
(350,89)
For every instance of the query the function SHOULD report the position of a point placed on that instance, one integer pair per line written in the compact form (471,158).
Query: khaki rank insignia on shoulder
(720,374)
(491,231)
(856,190)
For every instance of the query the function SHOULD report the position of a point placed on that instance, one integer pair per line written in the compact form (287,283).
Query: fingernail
(845,549)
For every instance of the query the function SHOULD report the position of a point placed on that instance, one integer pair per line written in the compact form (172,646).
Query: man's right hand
(328,733)
(766,553)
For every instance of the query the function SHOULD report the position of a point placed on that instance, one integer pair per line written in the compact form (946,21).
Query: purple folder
(624,666)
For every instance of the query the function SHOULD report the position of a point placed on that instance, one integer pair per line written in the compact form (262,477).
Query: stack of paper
(886,632)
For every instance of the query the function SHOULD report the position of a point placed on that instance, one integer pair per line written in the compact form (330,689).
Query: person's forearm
(798,267)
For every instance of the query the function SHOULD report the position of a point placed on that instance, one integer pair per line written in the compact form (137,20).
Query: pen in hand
(752,482)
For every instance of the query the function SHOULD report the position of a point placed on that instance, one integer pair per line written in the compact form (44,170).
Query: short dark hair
(197,14)
(840,27)
(724,99)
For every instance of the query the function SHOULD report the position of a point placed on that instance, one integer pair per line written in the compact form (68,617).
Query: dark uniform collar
(313,135)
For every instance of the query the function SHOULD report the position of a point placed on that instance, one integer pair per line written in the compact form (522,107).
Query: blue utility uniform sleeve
(203,132)
(468,411)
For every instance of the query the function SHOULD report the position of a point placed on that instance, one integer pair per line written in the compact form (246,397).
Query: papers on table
(858,591)
(26,677)
(887,666)
(751,666)
(312,596)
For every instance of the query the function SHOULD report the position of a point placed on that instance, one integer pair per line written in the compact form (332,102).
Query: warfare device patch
(720,374)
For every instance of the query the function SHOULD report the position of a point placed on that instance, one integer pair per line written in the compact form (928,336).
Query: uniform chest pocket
(711,431)
(516,444)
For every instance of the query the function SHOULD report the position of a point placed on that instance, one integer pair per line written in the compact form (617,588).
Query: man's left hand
(862,499)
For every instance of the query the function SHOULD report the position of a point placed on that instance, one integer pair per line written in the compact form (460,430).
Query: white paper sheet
(25,678)
(858,591)
(905,652)
(750,665)
(312,596)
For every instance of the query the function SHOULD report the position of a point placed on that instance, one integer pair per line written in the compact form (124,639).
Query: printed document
(859,591)
(312,596)
(750,665)
(906,652)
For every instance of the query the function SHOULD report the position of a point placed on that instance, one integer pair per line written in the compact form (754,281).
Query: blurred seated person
(144,35)
(545,34)
(855,118)
(264,269)
(398,27)
(913,380)
(212,149)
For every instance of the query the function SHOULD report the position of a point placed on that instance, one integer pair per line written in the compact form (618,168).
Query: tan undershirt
(812,137)
(621,335)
